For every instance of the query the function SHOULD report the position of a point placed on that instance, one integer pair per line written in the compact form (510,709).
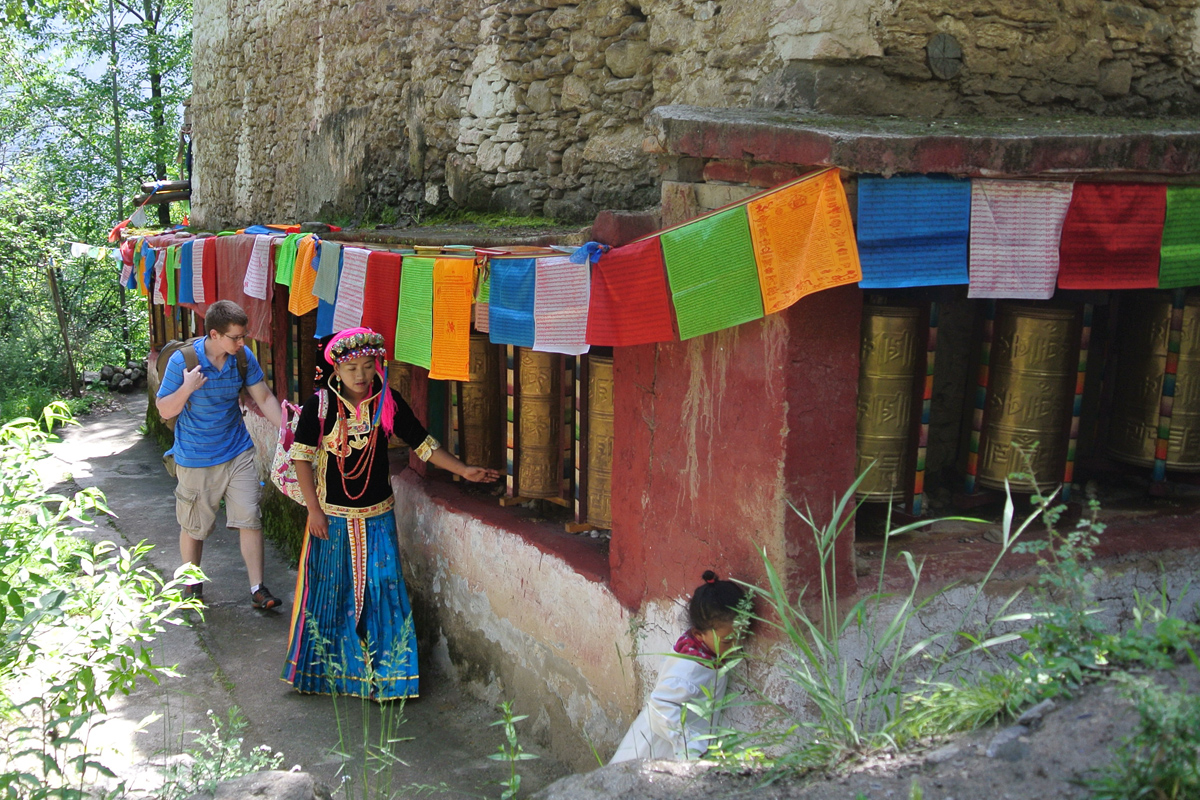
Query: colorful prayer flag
(482,320)
(560,305)
(453,284)
(304,275)
(1015,231)
(325,286)
(199,295)
(912,231)
(414,316)
(511,300)
(347,313)
(255,282)
(630,303)
(184,291)
(712,273)
(1112,236)
(381,296)
(803,240)
(1180,254)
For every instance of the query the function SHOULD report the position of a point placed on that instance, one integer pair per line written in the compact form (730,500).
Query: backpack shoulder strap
(243,364)
(188,348)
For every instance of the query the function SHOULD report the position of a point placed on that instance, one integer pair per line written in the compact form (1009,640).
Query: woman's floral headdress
(355,342)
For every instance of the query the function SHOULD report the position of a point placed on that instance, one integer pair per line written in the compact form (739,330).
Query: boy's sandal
(264,599)
(192,591)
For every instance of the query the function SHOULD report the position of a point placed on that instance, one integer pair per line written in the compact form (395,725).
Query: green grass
(487,219)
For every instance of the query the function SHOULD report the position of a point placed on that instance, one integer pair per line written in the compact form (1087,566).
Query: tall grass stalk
(856,667)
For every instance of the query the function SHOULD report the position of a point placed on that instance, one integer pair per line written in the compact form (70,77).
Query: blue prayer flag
(913,231)
(184,292)
(510,307)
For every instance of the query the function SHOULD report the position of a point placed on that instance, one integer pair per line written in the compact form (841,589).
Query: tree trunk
(158,113)
(52,276)
(119,160)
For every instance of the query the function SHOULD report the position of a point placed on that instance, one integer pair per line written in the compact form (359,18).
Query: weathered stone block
(716,195)
(727,171)
(575,93)
(1115,78)
(679,203)
(625,59)
(616,228)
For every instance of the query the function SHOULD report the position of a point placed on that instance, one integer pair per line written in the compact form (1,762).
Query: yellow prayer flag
(453,287)
(803,240)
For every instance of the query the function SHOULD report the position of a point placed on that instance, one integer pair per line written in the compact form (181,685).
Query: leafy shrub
(76,618)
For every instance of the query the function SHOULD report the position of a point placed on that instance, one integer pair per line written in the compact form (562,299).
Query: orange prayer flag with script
(803,240)
(453,287)
(300,298)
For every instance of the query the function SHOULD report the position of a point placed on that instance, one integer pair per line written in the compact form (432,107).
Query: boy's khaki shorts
(200,489)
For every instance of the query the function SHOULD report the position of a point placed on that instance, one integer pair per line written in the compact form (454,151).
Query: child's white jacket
(658,732)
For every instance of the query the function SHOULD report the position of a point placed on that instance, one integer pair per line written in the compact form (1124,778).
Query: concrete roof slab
(966,146)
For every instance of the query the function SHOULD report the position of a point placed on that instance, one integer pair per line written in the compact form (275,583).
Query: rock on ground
(272,785)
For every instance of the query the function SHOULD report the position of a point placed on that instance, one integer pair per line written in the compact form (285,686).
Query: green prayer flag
(169,272)
(485,288)
(1179,264)
(414,313)
(712,272)
(285,259)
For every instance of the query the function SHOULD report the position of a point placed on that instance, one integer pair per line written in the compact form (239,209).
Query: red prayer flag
(1112,236)
(630,303)
(381,296)
(232,256)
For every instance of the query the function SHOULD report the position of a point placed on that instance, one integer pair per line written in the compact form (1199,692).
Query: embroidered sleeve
(303,452)
(425,450)
(409,428)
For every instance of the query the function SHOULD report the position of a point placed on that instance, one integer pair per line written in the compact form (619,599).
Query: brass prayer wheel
(600,441)
(887,381)
(539,424)
(479,406)
(400,379)
(1031,390)
(1141,368)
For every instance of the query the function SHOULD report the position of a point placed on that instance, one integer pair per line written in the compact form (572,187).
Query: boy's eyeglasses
(239,338)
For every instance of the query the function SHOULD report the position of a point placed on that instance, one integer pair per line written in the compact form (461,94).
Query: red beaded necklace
(366,458)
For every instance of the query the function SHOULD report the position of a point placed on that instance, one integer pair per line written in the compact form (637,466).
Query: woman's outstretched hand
(480,475)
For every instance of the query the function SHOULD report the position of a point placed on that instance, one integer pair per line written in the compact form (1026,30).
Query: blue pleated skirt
(352,631)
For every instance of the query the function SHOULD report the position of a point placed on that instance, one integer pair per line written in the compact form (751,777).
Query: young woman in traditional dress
(352,630)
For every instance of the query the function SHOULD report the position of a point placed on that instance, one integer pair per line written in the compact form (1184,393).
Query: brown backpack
(190,361)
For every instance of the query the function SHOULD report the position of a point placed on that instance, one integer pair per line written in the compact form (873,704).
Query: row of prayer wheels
(1030,392)
(541,460)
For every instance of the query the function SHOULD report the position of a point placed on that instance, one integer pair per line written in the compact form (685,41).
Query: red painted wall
(822,423)
(714,433)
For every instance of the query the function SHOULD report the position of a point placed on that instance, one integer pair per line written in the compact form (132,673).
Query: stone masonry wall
(346,107)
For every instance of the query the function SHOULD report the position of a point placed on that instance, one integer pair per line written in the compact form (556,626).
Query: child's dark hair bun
(714,601)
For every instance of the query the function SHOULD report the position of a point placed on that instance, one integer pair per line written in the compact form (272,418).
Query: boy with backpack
(213,452)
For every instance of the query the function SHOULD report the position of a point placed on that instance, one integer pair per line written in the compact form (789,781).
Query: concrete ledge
(968,147)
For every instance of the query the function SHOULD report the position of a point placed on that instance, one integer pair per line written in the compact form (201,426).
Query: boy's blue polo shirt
(210,430)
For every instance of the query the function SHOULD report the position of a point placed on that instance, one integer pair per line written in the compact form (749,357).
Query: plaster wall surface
(716,434)
(337,109)
(512,622)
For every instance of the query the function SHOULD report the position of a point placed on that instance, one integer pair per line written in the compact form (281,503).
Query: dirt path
(234,655)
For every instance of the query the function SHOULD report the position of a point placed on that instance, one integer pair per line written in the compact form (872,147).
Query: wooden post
(51,274)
